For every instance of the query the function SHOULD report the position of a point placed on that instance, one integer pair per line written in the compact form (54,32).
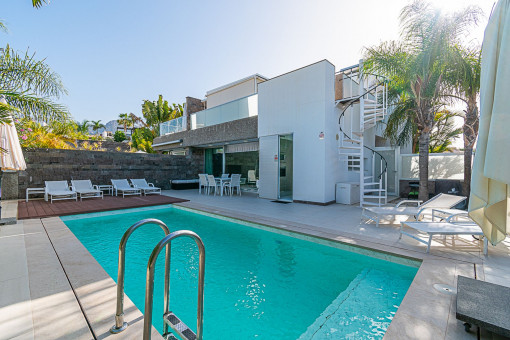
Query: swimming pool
(258,284)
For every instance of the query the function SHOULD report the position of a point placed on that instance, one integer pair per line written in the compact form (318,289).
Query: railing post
(149,283)
(120,324)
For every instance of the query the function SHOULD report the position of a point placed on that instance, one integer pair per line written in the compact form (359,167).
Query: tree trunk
(424,141)
(470,130)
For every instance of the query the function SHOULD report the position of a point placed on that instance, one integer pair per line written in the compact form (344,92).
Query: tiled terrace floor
(36,255)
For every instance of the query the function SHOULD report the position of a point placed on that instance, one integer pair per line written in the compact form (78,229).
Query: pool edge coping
(406,322)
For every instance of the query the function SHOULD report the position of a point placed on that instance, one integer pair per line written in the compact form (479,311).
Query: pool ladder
(169,318)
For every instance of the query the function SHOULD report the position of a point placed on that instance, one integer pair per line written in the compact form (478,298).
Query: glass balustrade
(172,126)
(234,110)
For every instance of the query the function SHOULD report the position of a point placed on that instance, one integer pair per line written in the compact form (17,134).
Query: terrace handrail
(149,284)
(120,324)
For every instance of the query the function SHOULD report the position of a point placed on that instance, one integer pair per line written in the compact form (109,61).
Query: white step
(350,140)
(354,147)
(374,190)
(358,133)
(368,177)
(373,110)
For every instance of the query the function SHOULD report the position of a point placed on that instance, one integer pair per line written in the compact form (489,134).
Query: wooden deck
(40,208)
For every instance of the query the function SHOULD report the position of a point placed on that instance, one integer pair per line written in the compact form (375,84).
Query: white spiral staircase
(363,101)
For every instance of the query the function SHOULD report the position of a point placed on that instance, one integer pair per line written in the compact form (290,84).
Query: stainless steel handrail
(120,325)
(149,288)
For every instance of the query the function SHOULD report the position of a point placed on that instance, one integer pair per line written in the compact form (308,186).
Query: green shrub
(119,136)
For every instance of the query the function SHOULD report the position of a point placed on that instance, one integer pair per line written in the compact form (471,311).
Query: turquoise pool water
(258,284)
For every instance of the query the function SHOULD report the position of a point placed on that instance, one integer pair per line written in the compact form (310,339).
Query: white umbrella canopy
(489,202)
(12,158)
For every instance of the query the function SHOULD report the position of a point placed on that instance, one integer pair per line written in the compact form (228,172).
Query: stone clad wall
(100,167)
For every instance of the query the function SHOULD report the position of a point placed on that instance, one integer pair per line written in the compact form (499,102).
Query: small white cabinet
(347,193)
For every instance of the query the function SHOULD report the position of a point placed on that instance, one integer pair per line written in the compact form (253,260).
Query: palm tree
(125,120)
(415,67)
(464,78)
(159,111)
(83,127)
(96,125)
(444,132)
(29,86)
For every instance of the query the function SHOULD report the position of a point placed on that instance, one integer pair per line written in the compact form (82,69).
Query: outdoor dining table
(222,182)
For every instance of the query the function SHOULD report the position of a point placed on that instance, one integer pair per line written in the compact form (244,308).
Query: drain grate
(445,289)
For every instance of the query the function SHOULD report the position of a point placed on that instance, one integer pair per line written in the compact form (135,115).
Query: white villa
(311,135)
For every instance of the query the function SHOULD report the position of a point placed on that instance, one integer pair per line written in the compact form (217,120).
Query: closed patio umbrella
(489,203)
(12,157)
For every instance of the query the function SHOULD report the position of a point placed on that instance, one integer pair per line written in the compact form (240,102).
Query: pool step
(334,321)
(178,327)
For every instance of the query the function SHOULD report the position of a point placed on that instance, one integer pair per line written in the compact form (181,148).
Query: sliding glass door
(285,156)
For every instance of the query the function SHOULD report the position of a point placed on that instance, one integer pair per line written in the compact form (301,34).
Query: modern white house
(311,135)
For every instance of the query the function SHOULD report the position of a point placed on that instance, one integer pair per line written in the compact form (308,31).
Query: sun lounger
(442,228)
(146,188)
(85,189)
(439,201)
(122,186)
(58,190)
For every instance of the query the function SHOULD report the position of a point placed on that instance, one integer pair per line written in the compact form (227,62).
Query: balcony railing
(234,110)
(172,126)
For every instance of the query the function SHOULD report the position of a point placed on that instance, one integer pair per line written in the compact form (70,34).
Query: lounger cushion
(61,193)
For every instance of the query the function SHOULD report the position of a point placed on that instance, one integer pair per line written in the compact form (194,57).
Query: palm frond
(25,73)
(39,3)
(37,108)
(3,27)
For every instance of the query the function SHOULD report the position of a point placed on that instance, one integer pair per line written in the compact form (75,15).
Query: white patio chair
(124,187)
(85,189)
(146,188)
(439,201)
(251,177)
(211,183)
(224,181)
(59,190)
(202,182)
(235,183)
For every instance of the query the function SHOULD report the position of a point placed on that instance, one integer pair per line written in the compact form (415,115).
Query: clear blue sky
(113,54)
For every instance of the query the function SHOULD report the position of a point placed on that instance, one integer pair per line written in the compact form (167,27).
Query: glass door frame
(279,168)
(396,150)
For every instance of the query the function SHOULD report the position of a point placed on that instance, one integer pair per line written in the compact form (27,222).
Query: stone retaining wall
(100,167)
(107,145)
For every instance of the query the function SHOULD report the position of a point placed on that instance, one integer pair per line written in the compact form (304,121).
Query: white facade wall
(230,93)
(301,103)
(441,166)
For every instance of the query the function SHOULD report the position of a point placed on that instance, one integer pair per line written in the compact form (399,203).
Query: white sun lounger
(85,189)
(443,228)
(122,186)
(146,188)
(439,201)
(58,190)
